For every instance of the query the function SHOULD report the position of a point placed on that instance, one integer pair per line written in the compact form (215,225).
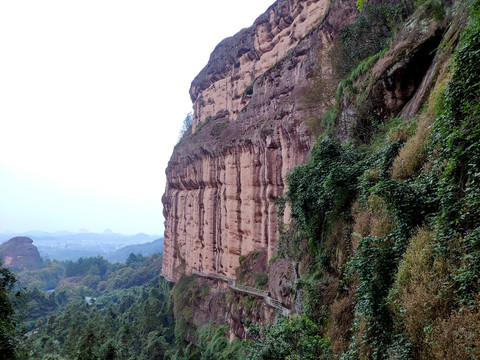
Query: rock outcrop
(208,301)
(20,253)
(224,177)
(238,60)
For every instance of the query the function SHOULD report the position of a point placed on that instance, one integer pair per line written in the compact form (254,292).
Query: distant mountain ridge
(65,245)
(145,249)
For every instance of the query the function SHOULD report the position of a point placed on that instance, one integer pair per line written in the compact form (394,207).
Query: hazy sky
(93,94)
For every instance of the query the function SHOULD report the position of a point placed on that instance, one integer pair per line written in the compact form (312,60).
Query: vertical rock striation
(238,60)
(224,177)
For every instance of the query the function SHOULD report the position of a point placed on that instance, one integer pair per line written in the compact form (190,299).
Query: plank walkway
(249,291)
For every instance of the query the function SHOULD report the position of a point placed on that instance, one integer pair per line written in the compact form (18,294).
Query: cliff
(237,61)
(20,253)
(380,235)
(223,178)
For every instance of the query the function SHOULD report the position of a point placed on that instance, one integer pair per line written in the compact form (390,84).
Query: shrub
(401,207)
(456,336)
(422,292)
(319,95)
(456,138)
(468,275)
(272,260)
(323,188)
(413,155)
(415,152)
(372,219)
(368,34)
(373,264)
(213,344)
(342,311)
(434,8)
(296,337)
(8,301)
(261,280)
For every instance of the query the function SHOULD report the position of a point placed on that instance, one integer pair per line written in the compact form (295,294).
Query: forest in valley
(96,310)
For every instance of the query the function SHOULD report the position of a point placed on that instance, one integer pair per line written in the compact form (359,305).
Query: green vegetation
(323,188)
(293,338)
(212,345)
(44,279)
(369,34)
(132,323)
(207,343)
(186,127)
(9,296)
(98,310)
(358,48)
(435,8)
(272,260)
(402,208)
(261,280)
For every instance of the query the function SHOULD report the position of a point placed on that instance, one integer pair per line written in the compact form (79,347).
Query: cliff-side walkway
(249,291)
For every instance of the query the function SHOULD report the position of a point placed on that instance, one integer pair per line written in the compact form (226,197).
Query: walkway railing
(249,291)
(168,279)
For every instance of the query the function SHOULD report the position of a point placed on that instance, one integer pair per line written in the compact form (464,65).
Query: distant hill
(20,253)
(146,249)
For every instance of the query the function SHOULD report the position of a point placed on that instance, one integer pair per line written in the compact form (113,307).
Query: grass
(362,68)
(422,294)
(414,153)
(218,129)
(272,260)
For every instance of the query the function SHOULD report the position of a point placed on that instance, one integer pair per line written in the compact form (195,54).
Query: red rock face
(238,60)
(20,253)
(224,178)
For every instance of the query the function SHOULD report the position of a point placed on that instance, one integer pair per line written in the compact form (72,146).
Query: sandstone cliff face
(238,60)
(20,253)
(224,177)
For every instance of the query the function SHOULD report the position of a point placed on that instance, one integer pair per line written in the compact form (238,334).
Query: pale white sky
(93,94)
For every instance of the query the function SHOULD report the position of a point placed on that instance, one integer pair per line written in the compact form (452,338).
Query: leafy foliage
(46,278)
(323,188)
(443,195)
(456,137)
(94,265)
(296,337)
(186,126)
(133,303)
(121,324)
(8,298)
(369,34)
(212,345)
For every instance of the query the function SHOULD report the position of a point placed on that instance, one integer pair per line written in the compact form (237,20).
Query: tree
(294,338)
(8,299)
(187,126)
(87,343)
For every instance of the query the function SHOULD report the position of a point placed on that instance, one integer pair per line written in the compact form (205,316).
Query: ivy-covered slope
(386,211)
